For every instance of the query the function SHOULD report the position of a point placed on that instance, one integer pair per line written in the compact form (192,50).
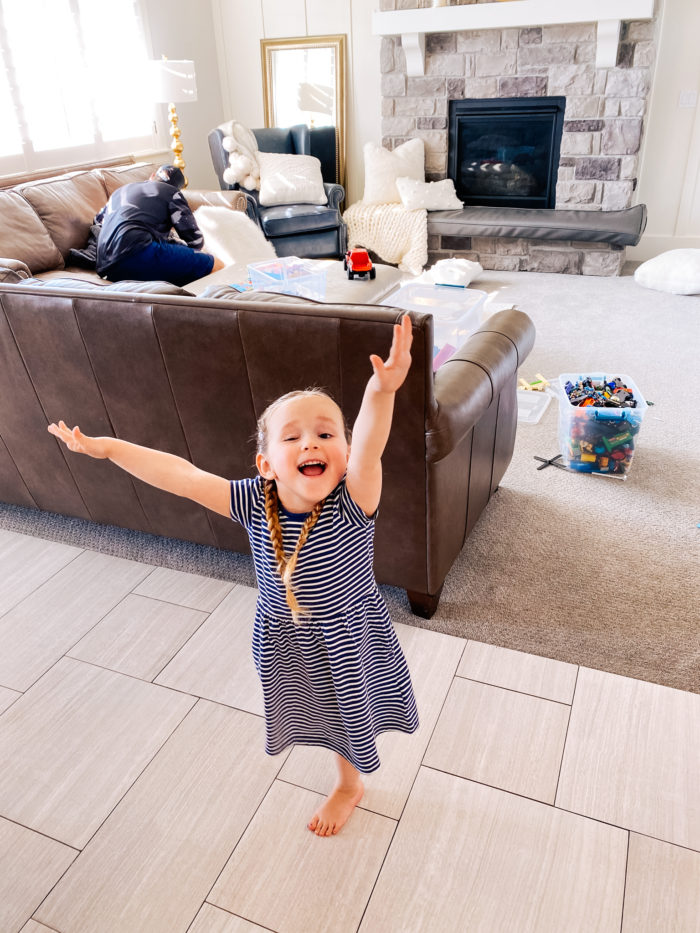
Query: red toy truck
(357,262)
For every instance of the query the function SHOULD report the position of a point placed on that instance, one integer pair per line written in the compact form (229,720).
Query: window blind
(72,83)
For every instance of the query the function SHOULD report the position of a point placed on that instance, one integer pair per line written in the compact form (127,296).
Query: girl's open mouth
(312,468)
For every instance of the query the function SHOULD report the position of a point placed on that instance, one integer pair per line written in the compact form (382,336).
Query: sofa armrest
(335,194)
(195,197)
(13,270)
(467,383)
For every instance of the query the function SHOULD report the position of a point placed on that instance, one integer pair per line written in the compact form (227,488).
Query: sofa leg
(423,604)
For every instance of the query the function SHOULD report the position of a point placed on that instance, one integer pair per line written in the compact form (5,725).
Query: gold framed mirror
(304,82)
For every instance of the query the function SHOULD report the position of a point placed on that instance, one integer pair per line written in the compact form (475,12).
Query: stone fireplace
(601,130)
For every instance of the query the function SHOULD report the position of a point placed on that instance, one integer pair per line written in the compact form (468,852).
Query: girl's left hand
(390,375)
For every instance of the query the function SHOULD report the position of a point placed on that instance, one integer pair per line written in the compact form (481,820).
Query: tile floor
(135,795)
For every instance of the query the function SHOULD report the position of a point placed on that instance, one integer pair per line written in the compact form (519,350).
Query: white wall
(241,24)
(669,178)
(182,29)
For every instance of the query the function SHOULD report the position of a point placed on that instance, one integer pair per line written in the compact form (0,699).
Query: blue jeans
(163,262)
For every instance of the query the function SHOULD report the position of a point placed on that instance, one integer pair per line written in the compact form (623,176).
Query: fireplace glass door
(505,152)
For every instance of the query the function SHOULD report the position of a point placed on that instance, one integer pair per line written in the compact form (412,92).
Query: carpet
(585,569)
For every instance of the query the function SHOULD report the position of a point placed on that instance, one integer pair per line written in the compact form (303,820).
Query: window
(71,82)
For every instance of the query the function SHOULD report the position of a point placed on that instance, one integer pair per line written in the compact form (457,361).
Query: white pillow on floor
(677,272)
(232,236)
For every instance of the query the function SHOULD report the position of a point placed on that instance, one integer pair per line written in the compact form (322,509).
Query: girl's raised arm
(371,430)
(163,470)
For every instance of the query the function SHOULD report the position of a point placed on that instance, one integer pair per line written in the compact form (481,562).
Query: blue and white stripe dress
(339,678)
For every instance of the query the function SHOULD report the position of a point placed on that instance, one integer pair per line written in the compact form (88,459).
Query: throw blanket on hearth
(393,233)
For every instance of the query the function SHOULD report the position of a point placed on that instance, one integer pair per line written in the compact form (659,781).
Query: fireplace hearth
(505,152)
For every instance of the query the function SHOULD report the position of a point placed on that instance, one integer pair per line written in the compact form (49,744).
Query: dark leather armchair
(309,230)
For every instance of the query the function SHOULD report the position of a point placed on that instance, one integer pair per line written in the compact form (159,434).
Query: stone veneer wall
(605,108)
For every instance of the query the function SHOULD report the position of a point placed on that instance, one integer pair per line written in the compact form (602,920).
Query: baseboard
(650,246)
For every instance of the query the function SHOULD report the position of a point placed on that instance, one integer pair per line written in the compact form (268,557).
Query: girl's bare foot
(336,809)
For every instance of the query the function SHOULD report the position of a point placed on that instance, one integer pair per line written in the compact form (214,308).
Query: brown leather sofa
(191,375)
(41,221)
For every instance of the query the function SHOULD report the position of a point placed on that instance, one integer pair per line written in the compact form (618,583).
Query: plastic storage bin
(596,439)
(290,276)
(532,405)
(457,313)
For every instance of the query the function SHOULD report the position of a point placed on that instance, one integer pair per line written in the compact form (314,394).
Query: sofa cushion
(67,206)
(23,235)
(301,218)
(79,284)
(114,178)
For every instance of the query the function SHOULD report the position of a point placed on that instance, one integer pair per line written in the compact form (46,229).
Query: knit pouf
(393,233)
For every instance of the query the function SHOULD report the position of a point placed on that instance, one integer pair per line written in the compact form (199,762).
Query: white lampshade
(172,81)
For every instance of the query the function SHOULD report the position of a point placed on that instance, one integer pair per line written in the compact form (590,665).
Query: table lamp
(173,82)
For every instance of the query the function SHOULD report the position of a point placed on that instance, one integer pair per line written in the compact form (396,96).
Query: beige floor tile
(31,926)
(217,662)
(663,888)
(501,738)
(74,744)
(213,920)
(30,865)
(139,636)
(469,857)
(514,670)
(152,863)
(632,757)
(26,563)
(284,877)
(432,659)
(7,698)
(46,624)
(185,589)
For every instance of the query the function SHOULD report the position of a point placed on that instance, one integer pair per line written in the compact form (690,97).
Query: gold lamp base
(176,145)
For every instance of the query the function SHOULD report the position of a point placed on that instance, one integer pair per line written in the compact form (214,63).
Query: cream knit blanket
(393,233)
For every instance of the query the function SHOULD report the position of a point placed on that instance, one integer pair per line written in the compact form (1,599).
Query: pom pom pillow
(428,195)
(383,167)
(290,179)
(677,271)
(242,147)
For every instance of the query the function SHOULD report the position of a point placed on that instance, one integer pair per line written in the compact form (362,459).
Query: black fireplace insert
(504,152)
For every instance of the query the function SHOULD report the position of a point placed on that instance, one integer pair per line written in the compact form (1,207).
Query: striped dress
(339,678)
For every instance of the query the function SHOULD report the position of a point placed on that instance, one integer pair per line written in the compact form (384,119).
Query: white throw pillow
(677,271)
(383,167)
(232,236)
(428,195)
(290,179)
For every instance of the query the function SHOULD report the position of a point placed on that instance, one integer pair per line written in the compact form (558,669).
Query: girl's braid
(287,565)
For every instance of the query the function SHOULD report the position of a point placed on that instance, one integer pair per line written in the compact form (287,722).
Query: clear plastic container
(457,312)
(532,405)
(290,275)
(594,439)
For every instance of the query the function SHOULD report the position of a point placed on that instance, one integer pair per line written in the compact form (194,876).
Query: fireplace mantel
(412,25)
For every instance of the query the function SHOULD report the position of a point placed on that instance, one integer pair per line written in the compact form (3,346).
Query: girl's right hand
(78,442)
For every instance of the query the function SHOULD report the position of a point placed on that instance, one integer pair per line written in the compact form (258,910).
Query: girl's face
(307,453)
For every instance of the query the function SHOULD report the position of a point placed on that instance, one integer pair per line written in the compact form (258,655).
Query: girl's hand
(78,442)
(390,375)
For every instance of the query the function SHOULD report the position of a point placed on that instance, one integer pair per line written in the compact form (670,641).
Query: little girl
(332,670)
